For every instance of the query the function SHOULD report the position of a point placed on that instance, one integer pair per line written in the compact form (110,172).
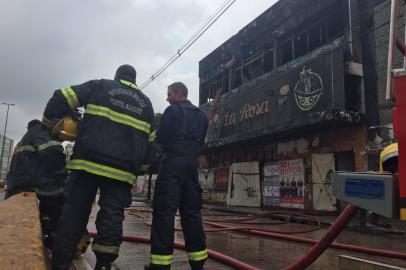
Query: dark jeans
(114,197)
(50,209)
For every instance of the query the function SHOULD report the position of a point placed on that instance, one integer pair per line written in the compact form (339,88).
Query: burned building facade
(286,104)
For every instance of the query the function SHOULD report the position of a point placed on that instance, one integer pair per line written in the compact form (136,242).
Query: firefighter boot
(102,266)
(104,261)
(83,245)
(156,267)
(197,265)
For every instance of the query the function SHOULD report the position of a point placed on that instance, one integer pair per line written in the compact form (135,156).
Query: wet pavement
(261,252)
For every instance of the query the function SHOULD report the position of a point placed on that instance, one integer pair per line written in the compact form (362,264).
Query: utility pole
(4,138)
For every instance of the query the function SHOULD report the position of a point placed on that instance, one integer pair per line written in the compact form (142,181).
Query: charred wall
(287,30)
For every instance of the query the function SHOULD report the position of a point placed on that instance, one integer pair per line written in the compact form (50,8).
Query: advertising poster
(221,176)
(271,184)
(206,179)
(291,174)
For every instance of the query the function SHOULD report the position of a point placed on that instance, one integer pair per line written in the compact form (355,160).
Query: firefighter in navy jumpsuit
(111,146)
(181,134)
(38,164)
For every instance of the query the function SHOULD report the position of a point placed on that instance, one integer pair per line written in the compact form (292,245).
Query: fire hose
(319,246)
(236,264)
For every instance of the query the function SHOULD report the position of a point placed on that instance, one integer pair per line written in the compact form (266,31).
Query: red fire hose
(327,239)
(236,264)
(318,248)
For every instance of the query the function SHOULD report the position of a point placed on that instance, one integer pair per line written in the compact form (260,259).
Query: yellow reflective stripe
(28,148)
(44,146)
(70,97)
(91,167)
(161,259)
(118,117)
(98,248)
(130,84)
(152,136)
(47,122)
(198,255)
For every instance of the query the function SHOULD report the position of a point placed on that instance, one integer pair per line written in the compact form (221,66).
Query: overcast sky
(48,44)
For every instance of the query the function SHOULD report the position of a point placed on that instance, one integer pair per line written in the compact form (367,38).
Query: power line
(212,19)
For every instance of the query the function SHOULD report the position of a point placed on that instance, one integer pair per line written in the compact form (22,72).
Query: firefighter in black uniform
(38,165)
(112,144)
(181,134)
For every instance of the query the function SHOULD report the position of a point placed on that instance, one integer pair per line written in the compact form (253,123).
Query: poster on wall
(283,183)
(291,183)
(221,176)
(244,185)
(206,179)
(271,184)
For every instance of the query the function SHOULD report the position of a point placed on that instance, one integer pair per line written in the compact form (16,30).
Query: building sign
(308,89)
(294,95)
(283,183)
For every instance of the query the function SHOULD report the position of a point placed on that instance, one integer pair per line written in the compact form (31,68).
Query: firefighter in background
(112,144)
(181,134)
(38,164)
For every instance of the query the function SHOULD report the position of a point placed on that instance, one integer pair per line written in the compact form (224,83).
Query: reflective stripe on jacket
(92,167)
(116,129)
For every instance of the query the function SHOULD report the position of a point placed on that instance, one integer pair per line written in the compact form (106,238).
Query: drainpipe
(350,27)
(392,37)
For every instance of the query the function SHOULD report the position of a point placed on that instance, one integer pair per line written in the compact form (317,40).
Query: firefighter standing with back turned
(112,144)
(38,165)
(181,133)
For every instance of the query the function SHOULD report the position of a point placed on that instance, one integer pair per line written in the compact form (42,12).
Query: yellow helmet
(389,153)
(66,129)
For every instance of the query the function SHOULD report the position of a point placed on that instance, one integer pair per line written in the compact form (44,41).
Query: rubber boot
(102,266)
(156,267)
(197,265)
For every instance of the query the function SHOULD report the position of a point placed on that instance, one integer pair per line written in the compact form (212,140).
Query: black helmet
(33,123)
(126,72)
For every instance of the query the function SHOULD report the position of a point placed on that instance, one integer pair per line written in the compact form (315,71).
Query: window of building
(268,61)
(314,37)
(301,44)
(236,80)
(286,53)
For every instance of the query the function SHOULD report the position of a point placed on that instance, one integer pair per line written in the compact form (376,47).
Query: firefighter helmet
(388,160)
(66,129)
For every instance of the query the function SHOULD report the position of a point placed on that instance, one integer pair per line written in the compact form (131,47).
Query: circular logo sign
(308,89)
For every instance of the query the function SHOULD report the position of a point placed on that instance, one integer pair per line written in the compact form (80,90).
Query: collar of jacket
(130,84)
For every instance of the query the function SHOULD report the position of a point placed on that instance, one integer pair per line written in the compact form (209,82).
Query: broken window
(334,22)
(286,51)
(236,80)
(314,34)
(204,92)
(301,44)
(268,61)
